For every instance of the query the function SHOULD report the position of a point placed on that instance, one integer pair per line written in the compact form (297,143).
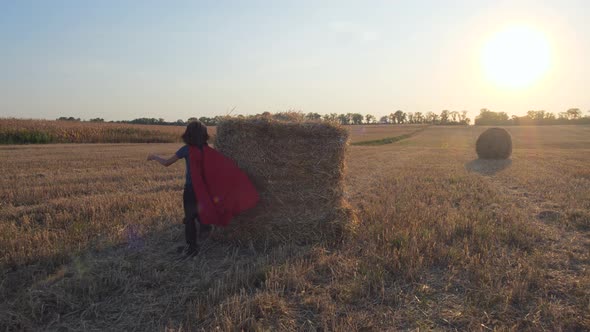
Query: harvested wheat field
(380,131)
(445,241)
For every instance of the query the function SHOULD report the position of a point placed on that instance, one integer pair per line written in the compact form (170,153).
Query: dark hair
(195,134)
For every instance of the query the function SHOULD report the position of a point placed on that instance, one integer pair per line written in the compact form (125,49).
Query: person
(195,136)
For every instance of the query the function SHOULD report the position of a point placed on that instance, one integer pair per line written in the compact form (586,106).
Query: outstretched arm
(163,161)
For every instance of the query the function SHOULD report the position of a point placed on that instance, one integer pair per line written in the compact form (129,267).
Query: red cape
(222,189)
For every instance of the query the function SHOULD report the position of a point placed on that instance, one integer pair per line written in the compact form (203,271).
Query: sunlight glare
(516,57)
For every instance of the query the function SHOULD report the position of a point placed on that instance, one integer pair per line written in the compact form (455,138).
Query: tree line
(398,117)
(445,117)
(541,117)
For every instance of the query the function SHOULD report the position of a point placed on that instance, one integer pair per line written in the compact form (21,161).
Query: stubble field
(444,241)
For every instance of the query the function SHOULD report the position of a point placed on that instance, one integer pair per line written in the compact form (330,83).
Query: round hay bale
(494,143)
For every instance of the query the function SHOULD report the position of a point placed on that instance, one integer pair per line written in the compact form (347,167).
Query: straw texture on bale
(494,143)
(298,169)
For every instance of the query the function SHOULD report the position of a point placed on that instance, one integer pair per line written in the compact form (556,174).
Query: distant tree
(313,116)
(536,115)
(96,120)
(487,117)
(400,116)
(531,115)
(356,118)
(71,118)
(431,117)
(455,116)
(574,113)
(332,117)
(410,117)
(444,116)
(463,117)
(392,118)
(418,117)
(148,121)
(349,116)
(369,119)
(343,119)
(502,116)
(384,119)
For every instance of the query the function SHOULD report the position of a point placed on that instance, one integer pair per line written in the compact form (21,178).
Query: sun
(516,57)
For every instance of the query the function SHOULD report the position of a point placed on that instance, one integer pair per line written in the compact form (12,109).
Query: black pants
(191,217)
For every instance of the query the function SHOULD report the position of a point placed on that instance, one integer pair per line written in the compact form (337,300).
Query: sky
(122,60)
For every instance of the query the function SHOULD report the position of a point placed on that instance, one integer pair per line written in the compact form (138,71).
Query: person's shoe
(204,231)
(188,250)
(204,235)
(191,251)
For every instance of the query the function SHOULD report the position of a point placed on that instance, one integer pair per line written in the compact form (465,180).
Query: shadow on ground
(488,166)
(143,284)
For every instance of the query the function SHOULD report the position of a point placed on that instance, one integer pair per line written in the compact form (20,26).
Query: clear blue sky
(178,59)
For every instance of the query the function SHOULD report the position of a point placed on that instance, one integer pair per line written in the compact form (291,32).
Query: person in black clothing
(195,135)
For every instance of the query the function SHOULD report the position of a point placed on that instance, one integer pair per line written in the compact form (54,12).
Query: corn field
(17,131)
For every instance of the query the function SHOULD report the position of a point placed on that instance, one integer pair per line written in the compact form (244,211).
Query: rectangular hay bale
(298,169)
